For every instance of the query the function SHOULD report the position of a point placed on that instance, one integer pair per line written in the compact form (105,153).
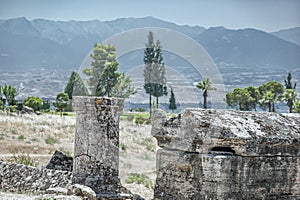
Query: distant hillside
(291,35)
(44,43)
(48,44)
(249,48)
(124,24)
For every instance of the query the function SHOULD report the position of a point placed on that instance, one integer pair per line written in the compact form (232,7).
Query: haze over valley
(38,56)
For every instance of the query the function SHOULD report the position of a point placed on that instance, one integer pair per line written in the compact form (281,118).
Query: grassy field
(32,139)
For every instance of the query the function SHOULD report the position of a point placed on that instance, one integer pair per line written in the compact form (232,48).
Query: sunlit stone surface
(224,154)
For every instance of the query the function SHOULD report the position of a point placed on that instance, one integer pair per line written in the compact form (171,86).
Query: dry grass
(39,136)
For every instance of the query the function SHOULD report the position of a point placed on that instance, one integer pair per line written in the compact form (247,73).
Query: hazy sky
(268,15)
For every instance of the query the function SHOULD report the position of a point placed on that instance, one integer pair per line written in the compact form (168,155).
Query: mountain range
(40,43)
(292,35)
(46,52)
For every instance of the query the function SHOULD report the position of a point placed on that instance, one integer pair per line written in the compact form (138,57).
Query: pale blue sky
(267,15)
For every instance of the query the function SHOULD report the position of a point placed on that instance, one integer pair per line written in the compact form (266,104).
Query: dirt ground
(38,136)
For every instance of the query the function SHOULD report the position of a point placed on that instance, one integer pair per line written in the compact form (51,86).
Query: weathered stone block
(60,161)
(222,154)
(96,155)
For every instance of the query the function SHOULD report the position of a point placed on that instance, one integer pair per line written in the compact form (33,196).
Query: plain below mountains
(33,44)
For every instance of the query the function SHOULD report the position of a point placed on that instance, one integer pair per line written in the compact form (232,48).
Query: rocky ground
(38,136)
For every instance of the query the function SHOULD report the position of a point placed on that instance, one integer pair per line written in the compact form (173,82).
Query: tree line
(8,101)
(104,79)
(265,96)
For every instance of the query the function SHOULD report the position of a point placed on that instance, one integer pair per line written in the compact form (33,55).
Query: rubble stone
(83,191)
(60,161)
(22,178)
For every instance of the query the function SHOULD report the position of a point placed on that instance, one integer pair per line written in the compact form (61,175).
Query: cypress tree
(154,71)
(75,86)
(172,101)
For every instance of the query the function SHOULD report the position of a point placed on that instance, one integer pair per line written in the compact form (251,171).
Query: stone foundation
(222,154)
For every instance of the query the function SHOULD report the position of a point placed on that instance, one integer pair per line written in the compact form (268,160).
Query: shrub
(137,110)
(66,152)
(123,147)
(23,160)
(123,117)
(149,144)
(35,103)
(141,110)
(51,140)
(139,119)
(21,137)
(140,179)
(128,165)
(35,140)
(1,104)
(146,156)
(12,108)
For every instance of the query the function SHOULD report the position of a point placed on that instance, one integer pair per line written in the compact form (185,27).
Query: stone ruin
(93,172)
(96,155)
(15,178)
(225,154)
(205,154)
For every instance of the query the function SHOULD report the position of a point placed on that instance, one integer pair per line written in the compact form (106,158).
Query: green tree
(1,104)
(289,96)
(75,86)
(154,71)
(123,88)
(205,85)
(172,101)
(273,87)
(269,99)
(9,93)
(46,106)
(241,99)
(230,100)
(61,101)
(148,61)
(254,93)
(1,100)
(103,55)
(159,74)
(35,103)
(104,77)
(288,82)
(108,79)
(296,106)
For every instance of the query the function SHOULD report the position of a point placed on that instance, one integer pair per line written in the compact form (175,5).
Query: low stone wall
(21,178)
(224,154)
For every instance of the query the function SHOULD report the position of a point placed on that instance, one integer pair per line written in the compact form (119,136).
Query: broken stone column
(96,155)
(226,154)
